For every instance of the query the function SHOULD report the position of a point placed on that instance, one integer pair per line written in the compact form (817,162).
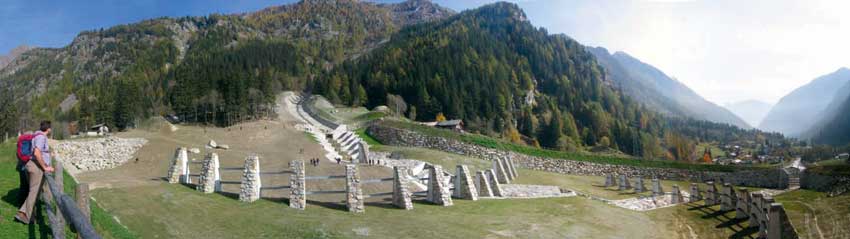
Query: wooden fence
(77,213)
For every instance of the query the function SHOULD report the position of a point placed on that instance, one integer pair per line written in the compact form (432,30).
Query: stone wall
(832,185)
(768,178)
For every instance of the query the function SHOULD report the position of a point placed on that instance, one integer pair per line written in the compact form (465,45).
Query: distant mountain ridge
(652,87)
(752,111)
(801,109)
(833,127)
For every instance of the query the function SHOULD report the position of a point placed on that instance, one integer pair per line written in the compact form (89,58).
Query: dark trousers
(24,187)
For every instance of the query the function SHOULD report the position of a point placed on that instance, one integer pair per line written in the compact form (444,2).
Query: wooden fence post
(82,194)
(58,175)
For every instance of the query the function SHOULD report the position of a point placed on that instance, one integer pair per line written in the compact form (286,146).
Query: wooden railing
(68,209)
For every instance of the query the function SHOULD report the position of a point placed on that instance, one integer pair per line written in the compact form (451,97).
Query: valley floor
(138,197)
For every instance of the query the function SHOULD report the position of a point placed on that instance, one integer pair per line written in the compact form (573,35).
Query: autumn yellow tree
(441,117)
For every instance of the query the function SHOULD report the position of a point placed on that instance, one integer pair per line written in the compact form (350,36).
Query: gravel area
(98,154)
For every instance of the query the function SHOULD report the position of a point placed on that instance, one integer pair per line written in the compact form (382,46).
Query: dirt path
(814,218)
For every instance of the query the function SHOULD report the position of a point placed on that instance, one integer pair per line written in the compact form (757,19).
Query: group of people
(315,162)
(31,171)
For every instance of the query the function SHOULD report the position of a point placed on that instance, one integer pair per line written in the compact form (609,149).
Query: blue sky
(726,50)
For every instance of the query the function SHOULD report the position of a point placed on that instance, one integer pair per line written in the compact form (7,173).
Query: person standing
(35,172)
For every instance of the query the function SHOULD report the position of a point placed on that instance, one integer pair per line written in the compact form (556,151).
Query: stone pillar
(354,198)
(639,187)
(501,174)
(178,165)
(509,172)
(511,164)
(249,191)
(483,184)
(438,191)
(210,180)
(494,184)
(677,195)
(696,195)
(364,152)
(464,186)
(711,194)
(609,181)
(728,198)
(624,183)
(742,205)
(779,227)
(297,185)
(401,195)
(656,187)
(755,209)
(764,216)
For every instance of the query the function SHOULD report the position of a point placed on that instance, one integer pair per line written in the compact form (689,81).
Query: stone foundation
(297,185)
(676,196)
(464,186)
(249,191)
(177,171)
(696,194)
(483,184)
(494,184)
(401,194)
(403,137)
(354,193)
(609,181)
(210,179)
(711,197)
(438,191)
(501,173)
(639,186)
(656,187)
(624,183)
(728,198)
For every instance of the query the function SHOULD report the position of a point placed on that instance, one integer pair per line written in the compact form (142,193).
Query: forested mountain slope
(652,87)
(494,69)
(212,68)
(488,66)
(833,127)
(801,109)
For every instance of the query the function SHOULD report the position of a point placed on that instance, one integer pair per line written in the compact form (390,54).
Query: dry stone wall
(832,185)
(768,178)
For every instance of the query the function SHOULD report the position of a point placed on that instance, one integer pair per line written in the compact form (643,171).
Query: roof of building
(450,122)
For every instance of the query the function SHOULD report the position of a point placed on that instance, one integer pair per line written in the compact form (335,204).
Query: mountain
(503,76)
(488,66)
(834,125)
(752,111)
(13,54)
(191,65)
(652,87)
(801,109)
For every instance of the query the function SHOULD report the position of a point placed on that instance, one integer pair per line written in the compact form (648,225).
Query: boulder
(212,144)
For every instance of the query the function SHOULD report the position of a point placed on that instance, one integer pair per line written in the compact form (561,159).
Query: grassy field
(102,220)
(817,216)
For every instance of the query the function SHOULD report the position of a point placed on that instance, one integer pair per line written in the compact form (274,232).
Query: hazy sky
(726,50)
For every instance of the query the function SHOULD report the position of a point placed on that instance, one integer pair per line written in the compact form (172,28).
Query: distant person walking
(35,168)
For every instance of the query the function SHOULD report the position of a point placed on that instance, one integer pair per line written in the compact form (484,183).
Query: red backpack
(25,147)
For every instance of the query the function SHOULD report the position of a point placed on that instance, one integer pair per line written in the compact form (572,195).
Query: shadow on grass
(745,233)
(329,205)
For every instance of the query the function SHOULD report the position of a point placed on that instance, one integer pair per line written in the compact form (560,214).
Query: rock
(195,150)
(224,146)
(212,144)
(381,108)
(98,154)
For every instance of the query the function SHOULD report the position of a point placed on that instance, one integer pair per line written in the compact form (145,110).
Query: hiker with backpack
(34,154)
